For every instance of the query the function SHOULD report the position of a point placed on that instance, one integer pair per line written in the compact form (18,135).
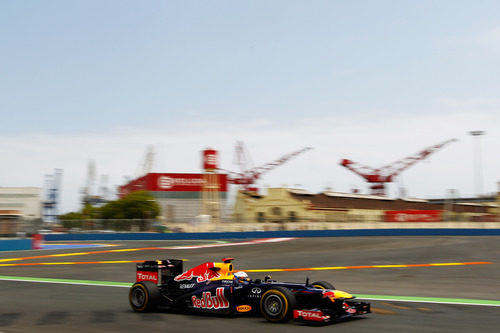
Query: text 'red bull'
(207,301)
(201,272)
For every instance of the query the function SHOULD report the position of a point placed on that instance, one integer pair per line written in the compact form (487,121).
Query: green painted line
(440,300)
(410,299)
(65,281)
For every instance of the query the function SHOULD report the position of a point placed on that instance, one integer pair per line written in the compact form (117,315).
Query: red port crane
(248,174)
(379,177)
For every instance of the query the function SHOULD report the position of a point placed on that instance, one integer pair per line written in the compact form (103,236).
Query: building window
(276,211)
(261,217)
(292,216)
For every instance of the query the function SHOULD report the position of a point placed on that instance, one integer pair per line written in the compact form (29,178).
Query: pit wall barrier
(272,234)
(15,244)
(33,243)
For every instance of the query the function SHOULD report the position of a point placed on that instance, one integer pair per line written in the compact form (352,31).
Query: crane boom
(379,177)
(271,165)
(397,167)
(247,177)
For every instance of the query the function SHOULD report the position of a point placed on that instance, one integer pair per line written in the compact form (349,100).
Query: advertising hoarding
(171,182)
(413,215)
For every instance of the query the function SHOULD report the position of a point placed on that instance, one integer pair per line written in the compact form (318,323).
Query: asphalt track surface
(390,266)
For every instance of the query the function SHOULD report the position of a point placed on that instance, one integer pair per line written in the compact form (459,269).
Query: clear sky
(372,81)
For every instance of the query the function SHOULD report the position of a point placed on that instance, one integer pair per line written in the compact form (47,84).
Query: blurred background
(183,116)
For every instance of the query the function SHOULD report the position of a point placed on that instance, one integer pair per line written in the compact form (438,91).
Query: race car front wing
(348,309)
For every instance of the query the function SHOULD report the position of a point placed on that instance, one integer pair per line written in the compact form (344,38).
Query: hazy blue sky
(373,81)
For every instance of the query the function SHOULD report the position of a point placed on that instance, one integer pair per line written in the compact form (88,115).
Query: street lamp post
(477,161)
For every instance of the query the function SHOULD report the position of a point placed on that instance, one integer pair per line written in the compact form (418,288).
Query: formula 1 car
(214,287)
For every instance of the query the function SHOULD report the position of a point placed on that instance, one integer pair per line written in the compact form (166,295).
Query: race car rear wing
(158,271)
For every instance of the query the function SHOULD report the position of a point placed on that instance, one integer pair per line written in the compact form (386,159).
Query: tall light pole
(477,161)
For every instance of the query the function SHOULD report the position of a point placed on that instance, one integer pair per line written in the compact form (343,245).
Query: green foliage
(89,211)
(71,216)
(72,220)
(137,205)
(68,224)
(117,214)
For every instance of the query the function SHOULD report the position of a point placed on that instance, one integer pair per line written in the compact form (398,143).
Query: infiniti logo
(256,290)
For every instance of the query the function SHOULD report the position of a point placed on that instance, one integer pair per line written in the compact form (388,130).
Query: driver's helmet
(241,276)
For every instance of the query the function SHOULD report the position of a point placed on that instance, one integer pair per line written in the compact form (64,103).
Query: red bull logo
(201,272)
(208,301)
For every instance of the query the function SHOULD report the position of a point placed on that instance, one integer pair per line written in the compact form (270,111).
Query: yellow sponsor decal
(243,308)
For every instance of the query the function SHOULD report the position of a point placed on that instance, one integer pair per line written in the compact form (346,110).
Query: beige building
(18,205)
(496,210)
(294,205)
(278,205)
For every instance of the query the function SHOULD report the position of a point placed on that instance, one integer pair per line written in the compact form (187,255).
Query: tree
(137,205)
(71,220)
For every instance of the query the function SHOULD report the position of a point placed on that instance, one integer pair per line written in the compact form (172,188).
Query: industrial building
(295,205)
(18,205)
(186,198)
(180,195)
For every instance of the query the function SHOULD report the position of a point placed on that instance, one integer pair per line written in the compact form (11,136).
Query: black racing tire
(277,304)
(323,285)
(144,296)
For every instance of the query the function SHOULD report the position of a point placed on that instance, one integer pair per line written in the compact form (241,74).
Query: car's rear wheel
(277,304)
(322,285)
(144,296)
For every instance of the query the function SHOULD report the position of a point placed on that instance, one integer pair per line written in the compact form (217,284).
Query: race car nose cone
(336,294)
(342,294)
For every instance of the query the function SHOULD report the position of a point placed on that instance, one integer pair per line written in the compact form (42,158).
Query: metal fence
(19,227)
(151,225)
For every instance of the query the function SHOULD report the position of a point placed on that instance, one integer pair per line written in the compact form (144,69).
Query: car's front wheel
(323,285)
(144,296)
(277,304)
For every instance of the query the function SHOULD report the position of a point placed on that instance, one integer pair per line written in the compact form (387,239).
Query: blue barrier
(273,234)
(15,244)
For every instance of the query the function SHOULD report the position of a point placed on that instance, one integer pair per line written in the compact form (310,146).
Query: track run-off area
(415,284)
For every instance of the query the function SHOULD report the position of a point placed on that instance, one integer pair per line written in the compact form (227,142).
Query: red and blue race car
(214,287)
